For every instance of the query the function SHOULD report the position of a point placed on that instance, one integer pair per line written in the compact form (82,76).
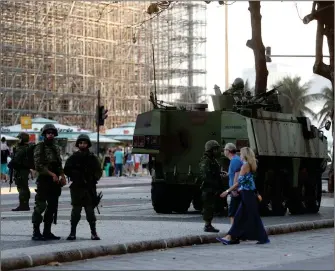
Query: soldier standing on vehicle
(48,164)
(84,170)
(21,166)
(210,176)
(238,85)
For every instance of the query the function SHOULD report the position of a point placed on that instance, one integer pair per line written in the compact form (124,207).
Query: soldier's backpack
(26,159)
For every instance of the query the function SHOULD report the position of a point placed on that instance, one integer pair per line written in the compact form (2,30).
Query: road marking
(117,188)
(5,190)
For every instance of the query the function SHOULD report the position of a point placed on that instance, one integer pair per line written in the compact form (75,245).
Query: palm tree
(296,95)
(327,111)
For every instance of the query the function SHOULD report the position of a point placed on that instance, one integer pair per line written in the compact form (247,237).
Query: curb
(116,185)
(26,261)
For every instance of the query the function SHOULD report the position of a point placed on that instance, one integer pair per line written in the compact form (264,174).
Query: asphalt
(126,229)
(308,250)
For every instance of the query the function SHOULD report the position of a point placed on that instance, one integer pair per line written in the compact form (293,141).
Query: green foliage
(327,111)
(296,95)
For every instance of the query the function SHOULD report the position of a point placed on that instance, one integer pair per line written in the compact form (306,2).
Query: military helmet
(238,83)
(23,136)
(211,144)
(83,137)
(47,127)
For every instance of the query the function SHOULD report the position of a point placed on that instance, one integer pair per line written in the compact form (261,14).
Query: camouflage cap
(211,144)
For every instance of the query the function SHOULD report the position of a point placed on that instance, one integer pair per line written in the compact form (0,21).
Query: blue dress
(247,221)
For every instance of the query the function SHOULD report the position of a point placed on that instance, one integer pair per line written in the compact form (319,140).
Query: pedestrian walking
(233,173)
(129,165)
(5,153)
(119,156)
(48,164)
(210,178)
(137,160)
(247,223)
(84,170)
(145,164)
(21,165)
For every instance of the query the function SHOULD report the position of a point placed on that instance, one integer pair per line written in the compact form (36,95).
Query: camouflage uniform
(84,170)
(46,158)
(21,172)
(211,181)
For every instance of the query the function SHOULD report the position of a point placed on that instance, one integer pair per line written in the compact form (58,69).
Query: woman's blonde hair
(249,156)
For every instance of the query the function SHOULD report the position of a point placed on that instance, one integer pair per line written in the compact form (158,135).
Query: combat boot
(94,235)
(37,236)
(48,235)
(22,207)
(210,228)
(73,232)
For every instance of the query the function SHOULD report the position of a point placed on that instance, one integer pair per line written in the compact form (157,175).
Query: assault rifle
(11,173)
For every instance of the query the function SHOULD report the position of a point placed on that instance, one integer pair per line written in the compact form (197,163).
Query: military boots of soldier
(210,228)
(22,207)
(47,234)
(94,235)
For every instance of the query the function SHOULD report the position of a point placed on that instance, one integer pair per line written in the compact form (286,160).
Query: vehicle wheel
(279,208)
(182,197)
(197,201)
(296,207)
(160,196)
(313,206)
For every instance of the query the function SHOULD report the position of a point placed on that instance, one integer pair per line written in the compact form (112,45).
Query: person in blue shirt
(233,173)
(247,224)
(118,156)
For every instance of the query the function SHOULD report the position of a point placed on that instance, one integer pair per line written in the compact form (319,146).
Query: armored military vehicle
(291,153)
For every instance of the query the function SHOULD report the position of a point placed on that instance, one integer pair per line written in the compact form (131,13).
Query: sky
(282,29)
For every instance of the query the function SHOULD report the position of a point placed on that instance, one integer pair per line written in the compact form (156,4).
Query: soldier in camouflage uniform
(238,84)
(210,176)
(84,170)
(48,165)
(21,167)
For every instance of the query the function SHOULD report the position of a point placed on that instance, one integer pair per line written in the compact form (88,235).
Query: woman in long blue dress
(247,222)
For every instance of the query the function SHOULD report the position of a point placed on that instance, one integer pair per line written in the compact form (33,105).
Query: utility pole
(97,122)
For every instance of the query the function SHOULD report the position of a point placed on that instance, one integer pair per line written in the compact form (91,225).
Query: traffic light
(101,115)
(268,54)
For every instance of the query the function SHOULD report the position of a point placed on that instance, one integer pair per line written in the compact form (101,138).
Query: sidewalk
(124,236)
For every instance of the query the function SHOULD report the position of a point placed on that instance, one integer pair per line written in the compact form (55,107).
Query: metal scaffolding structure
(180,50)
(55,55)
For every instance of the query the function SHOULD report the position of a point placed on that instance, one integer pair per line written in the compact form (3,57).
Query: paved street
(126,216)
(311,250)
